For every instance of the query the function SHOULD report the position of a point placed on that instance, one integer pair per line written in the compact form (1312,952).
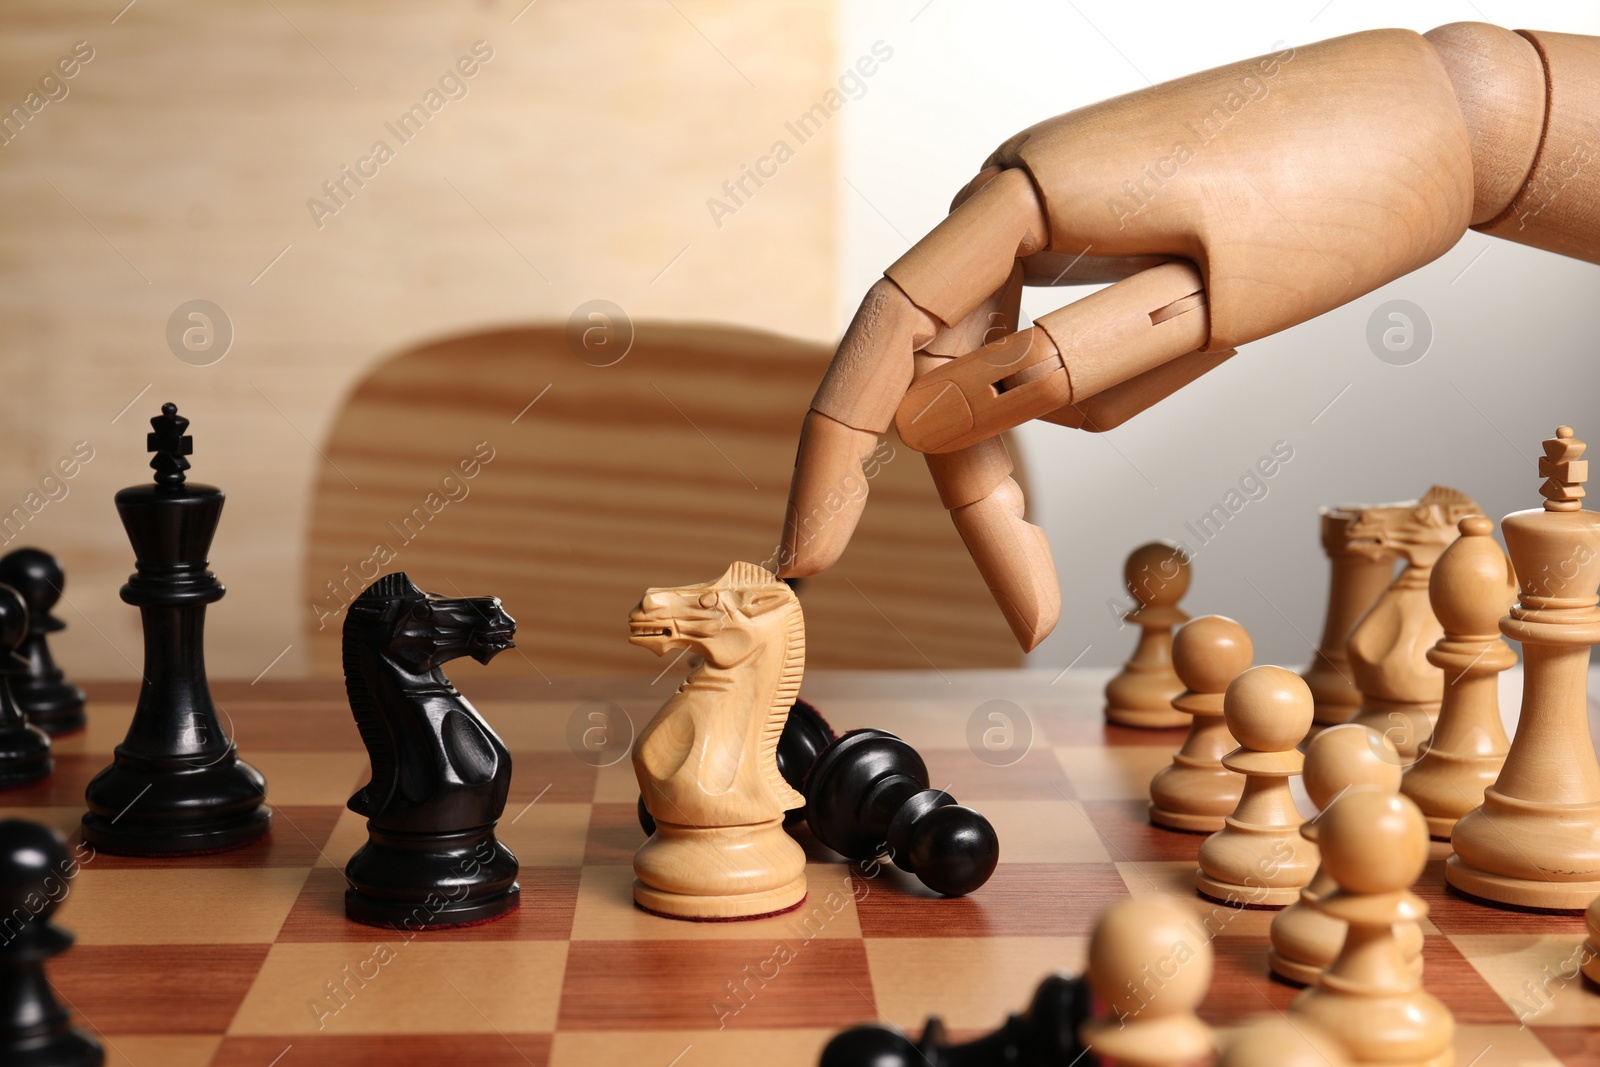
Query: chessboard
(244,958)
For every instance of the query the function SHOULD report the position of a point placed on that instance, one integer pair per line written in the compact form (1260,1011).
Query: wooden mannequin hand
(1233,204)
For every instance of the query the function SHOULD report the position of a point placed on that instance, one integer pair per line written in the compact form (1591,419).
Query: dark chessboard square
(1575,1046)
(614,834)
(1020,900)
(709,985)
(549,899)
(156,989)
(1129,835)
(479,1050)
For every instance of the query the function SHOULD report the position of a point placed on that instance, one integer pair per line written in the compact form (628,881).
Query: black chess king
(177,784)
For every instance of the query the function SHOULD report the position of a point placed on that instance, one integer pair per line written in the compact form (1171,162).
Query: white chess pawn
(1305,940)
(1258,858)
(1375,846)
(1471,587)
(1150,966)
(1196,792)
(1157,576)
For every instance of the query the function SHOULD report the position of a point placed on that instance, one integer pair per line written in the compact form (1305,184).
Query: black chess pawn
(49,701)
(439,774)
(35,1031)
(805,734)
(1046,1035)
(24,748)
(869,792)
(177,784)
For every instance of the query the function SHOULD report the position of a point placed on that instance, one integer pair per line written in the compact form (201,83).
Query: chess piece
(1471,588)
(1196,792)
(1258,858)
(48,700)
(1359,572)
(35,1031)
(1535,840)
(1375,845)
(805,734)
(1304,940)
(1150,965)
(24,748)
(1157,576)
(707,763)
(1277,1042)
(176,784)
(439,773)
(1046,1035)
(1400,687)
(869,793)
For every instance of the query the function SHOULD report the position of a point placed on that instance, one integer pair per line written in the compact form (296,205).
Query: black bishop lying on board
(1046,1035)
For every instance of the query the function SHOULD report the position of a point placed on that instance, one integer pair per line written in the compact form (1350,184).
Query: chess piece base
(1185,821)
(720,872)
(1446,786)
(74,1048)
(1290,970)
(153,809)
(1405,1030)
(1145,718)
(1244,896)
(1520,892)
(24,755)
(430,881)
(54,707)
(1305,941)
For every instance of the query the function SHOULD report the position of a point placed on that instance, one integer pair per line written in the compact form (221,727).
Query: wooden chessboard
(223,959)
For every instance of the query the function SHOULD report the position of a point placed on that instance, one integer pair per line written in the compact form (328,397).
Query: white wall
(1513,353)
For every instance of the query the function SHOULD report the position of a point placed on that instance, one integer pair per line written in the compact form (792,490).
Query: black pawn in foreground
(35,1031)
(24,748)
(177,784)
(439,773)
(1046,1035)
(49,701)
(869,792)
(805,734)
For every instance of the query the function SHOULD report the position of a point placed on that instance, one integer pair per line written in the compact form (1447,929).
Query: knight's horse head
(422,631)
(721,620)
(1417,531)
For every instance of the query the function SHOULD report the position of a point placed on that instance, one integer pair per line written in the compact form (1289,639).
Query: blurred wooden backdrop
(177,163)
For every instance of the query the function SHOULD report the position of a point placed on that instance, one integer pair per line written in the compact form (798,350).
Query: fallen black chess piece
(805,735)
(1046,1035)
(868,794)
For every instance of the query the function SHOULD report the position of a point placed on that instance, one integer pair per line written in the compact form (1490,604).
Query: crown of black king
(170,444)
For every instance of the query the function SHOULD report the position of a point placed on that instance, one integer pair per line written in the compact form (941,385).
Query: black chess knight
(49,701)
(439,773)
(177,784)
(24,748)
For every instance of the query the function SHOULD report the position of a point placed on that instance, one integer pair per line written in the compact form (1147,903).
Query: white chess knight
(707,763)
(1388,649)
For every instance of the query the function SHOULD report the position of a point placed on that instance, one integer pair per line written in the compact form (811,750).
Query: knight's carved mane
(367,631)
(751,576)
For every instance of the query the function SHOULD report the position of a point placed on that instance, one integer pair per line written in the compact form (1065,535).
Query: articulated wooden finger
(1558,208)
(1014,558)
(970,254)
(1116,405)
(1070,355)
(995,317)
(827,495)
(872,367)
